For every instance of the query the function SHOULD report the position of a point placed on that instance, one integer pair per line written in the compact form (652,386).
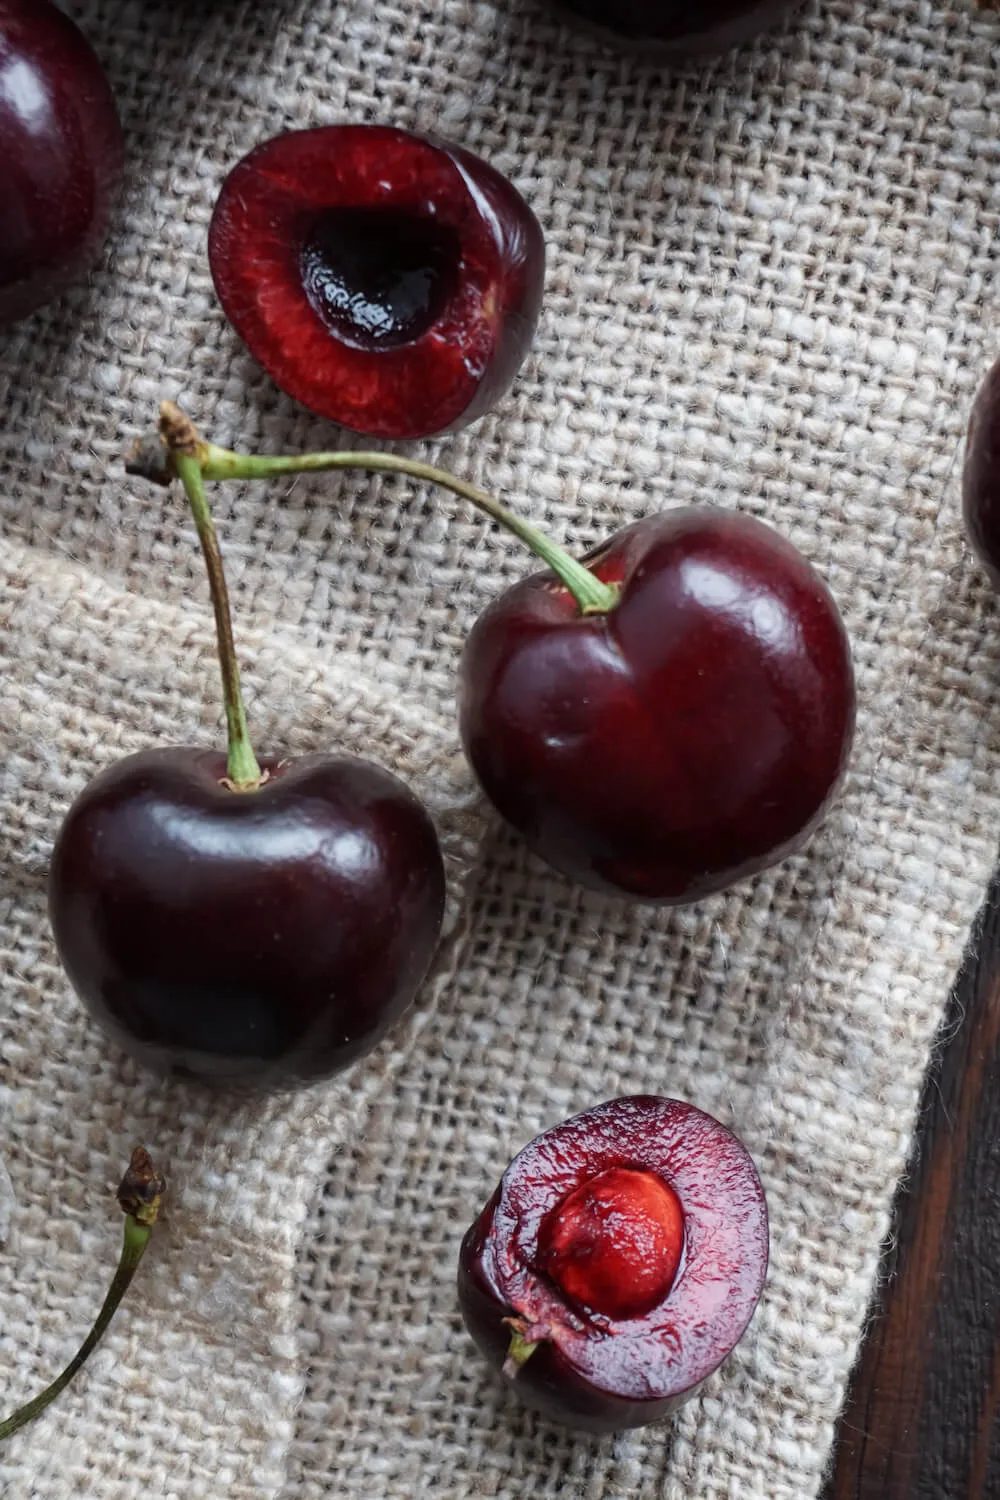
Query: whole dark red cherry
(618,1263)
(686,732)
(671,28)
(60,155)
(389,282)
(242,921)
(270,936)
(981,475)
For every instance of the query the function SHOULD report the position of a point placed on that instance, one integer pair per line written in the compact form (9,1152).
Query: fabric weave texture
(772,287)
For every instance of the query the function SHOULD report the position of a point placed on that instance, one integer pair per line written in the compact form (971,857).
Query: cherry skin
(981,475)
(264,937)
(670,1296)
(60,155)
(671,29)
(389,282)
(690,736)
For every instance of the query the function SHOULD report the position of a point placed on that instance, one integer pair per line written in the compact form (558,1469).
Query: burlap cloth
(771,287)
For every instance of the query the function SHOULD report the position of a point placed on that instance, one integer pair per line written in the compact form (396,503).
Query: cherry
(669,716)
(238,921)
(60,155)
(671,28)
(679,731)
(387,281)
(981,475)
(618,1263)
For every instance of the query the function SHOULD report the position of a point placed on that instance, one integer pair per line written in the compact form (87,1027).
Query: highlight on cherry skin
(618,1263)
(388,281)
(61,154)
(244,922)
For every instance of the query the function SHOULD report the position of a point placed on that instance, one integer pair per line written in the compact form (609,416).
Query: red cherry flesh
(981,475)
(267,937)
(692,735)
(60,155)
(614,1245)
(672,29)
(389,282)
(608,1369)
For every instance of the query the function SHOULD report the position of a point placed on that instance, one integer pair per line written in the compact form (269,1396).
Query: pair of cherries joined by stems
(658,721)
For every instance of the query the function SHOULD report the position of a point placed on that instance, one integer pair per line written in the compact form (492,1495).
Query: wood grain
(922,1420)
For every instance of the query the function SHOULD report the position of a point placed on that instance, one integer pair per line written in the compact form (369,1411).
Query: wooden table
(922,1421)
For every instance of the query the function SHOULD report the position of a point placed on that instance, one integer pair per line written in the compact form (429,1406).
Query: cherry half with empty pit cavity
(618,1263)
(389,282)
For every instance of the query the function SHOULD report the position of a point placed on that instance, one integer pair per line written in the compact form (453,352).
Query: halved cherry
(387,281)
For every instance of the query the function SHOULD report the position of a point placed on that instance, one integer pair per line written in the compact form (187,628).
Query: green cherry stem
(179,438)
(524,1340)
(243,772)
(139,1197)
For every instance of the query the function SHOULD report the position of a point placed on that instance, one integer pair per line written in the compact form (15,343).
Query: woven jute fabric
(770,287)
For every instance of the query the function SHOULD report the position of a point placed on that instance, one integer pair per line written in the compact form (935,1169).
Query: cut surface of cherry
(671,28)
(270,936)
(389,282)
(686,737)
(981,475)
(671,1295)
(60,155)
(237,921)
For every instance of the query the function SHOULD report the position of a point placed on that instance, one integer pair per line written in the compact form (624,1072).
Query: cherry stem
(193,460)
(139,1197)
(521,1347)
(244,774)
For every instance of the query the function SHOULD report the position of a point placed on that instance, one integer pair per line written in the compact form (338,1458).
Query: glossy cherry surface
(387,281)
(60,155)
(631,1359)
(671,28)
(268,937)
(981,475)
(689,737)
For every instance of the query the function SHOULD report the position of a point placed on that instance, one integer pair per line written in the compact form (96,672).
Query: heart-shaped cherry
(60,155)
(387,281)
(981,475)
(238,922)
(667,29)
(686,732)
(618,1263)
(667,717)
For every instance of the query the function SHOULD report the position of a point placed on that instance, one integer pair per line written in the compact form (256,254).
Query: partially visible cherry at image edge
(667,716)
(244,922)
(981,475)
(61,155)
(667,30)
(388,281)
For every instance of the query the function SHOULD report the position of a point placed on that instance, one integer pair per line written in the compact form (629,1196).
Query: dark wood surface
(922,1421)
